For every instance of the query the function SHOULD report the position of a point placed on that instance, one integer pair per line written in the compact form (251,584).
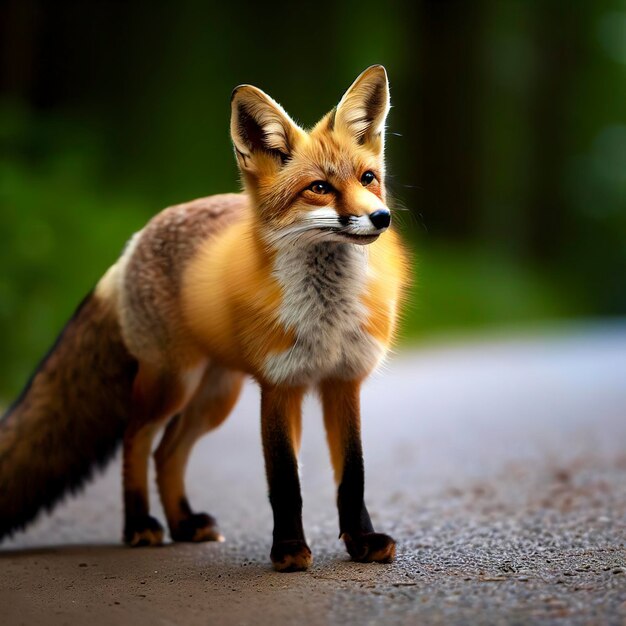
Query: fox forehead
(327,154)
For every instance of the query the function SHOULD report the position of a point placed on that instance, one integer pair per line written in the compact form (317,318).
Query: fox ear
(363,109)
(260,128)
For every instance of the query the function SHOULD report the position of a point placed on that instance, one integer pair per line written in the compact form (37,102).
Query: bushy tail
(70,417)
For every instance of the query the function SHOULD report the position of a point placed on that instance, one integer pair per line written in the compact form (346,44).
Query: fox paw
(197,527)
(370,547)
(291,556)
(143,531)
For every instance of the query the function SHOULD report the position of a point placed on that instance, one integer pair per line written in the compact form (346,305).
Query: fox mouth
(361,239)
(353,237)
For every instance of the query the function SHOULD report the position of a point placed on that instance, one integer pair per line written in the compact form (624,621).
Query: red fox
(295,282)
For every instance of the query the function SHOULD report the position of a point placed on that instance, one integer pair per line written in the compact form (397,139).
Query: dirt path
(500,468)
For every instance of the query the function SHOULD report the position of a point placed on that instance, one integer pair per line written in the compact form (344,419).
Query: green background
(506,146)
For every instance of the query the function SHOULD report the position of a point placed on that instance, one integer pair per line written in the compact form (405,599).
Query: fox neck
(321,284)
(317,277)
(325,267)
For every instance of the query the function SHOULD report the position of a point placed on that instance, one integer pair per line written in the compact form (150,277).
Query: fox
(296,282)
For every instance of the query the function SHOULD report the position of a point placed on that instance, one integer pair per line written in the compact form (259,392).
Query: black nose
(381,218)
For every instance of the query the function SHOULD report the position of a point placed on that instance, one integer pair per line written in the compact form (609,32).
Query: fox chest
(322,305)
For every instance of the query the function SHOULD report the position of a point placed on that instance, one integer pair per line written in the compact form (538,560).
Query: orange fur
(386,289)
(235,319)
(340,403)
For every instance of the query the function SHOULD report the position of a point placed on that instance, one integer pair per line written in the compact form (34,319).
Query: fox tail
(69,418)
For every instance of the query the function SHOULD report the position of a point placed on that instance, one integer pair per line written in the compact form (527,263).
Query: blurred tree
(558,35)
(446,45)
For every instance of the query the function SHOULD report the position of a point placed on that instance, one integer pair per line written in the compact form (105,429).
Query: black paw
(196,527)
(291,556)
(370,547)
(143,531)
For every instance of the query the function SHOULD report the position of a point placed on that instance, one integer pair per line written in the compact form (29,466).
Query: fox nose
(380,218)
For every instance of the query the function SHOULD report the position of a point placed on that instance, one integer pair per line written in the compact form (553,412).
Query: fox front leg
(342,418)
(280,428)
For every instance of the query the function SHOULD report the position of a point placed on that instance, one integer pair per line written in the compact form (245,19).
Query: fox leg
(340,400)
(157,395)
(280,429)
(208,408)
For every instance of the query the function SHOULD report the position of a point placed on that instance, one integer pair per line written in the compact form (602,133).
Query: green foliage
(466,289)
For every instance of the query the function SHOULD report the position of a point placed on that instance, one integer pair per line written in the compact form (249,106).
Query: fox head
(324,184)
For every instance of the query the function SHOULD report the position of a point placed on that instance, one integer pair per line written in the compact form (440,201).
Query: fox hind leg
(208,408)
(157,395)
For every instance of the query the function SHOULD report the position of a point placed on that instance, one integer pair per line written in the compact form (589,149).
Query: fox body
(295,282)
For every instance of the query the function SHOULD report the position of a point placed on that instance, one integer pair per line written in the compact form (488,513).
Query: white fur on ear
(364,107)
(258,124)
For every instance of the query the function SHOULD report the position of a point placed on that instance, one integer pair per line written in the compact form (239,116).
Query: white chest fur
(322,285)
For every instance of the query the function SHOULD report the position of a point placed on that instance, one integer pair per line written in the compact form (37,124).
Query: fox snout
(368,223)
(380,219)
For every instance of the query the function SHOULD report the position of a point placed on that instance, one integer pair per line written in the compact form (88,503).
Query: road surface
(498,465)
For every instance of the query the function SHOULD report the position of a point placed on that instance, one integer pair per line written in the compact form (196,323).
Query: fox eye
(319,187)
(367,178)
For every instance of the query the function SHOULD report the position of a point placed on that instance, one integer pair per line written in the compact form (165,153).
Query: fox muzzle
(380,219)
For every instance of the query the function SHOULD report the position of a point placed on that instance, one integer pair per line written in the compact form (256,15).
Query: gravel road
(498,465)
